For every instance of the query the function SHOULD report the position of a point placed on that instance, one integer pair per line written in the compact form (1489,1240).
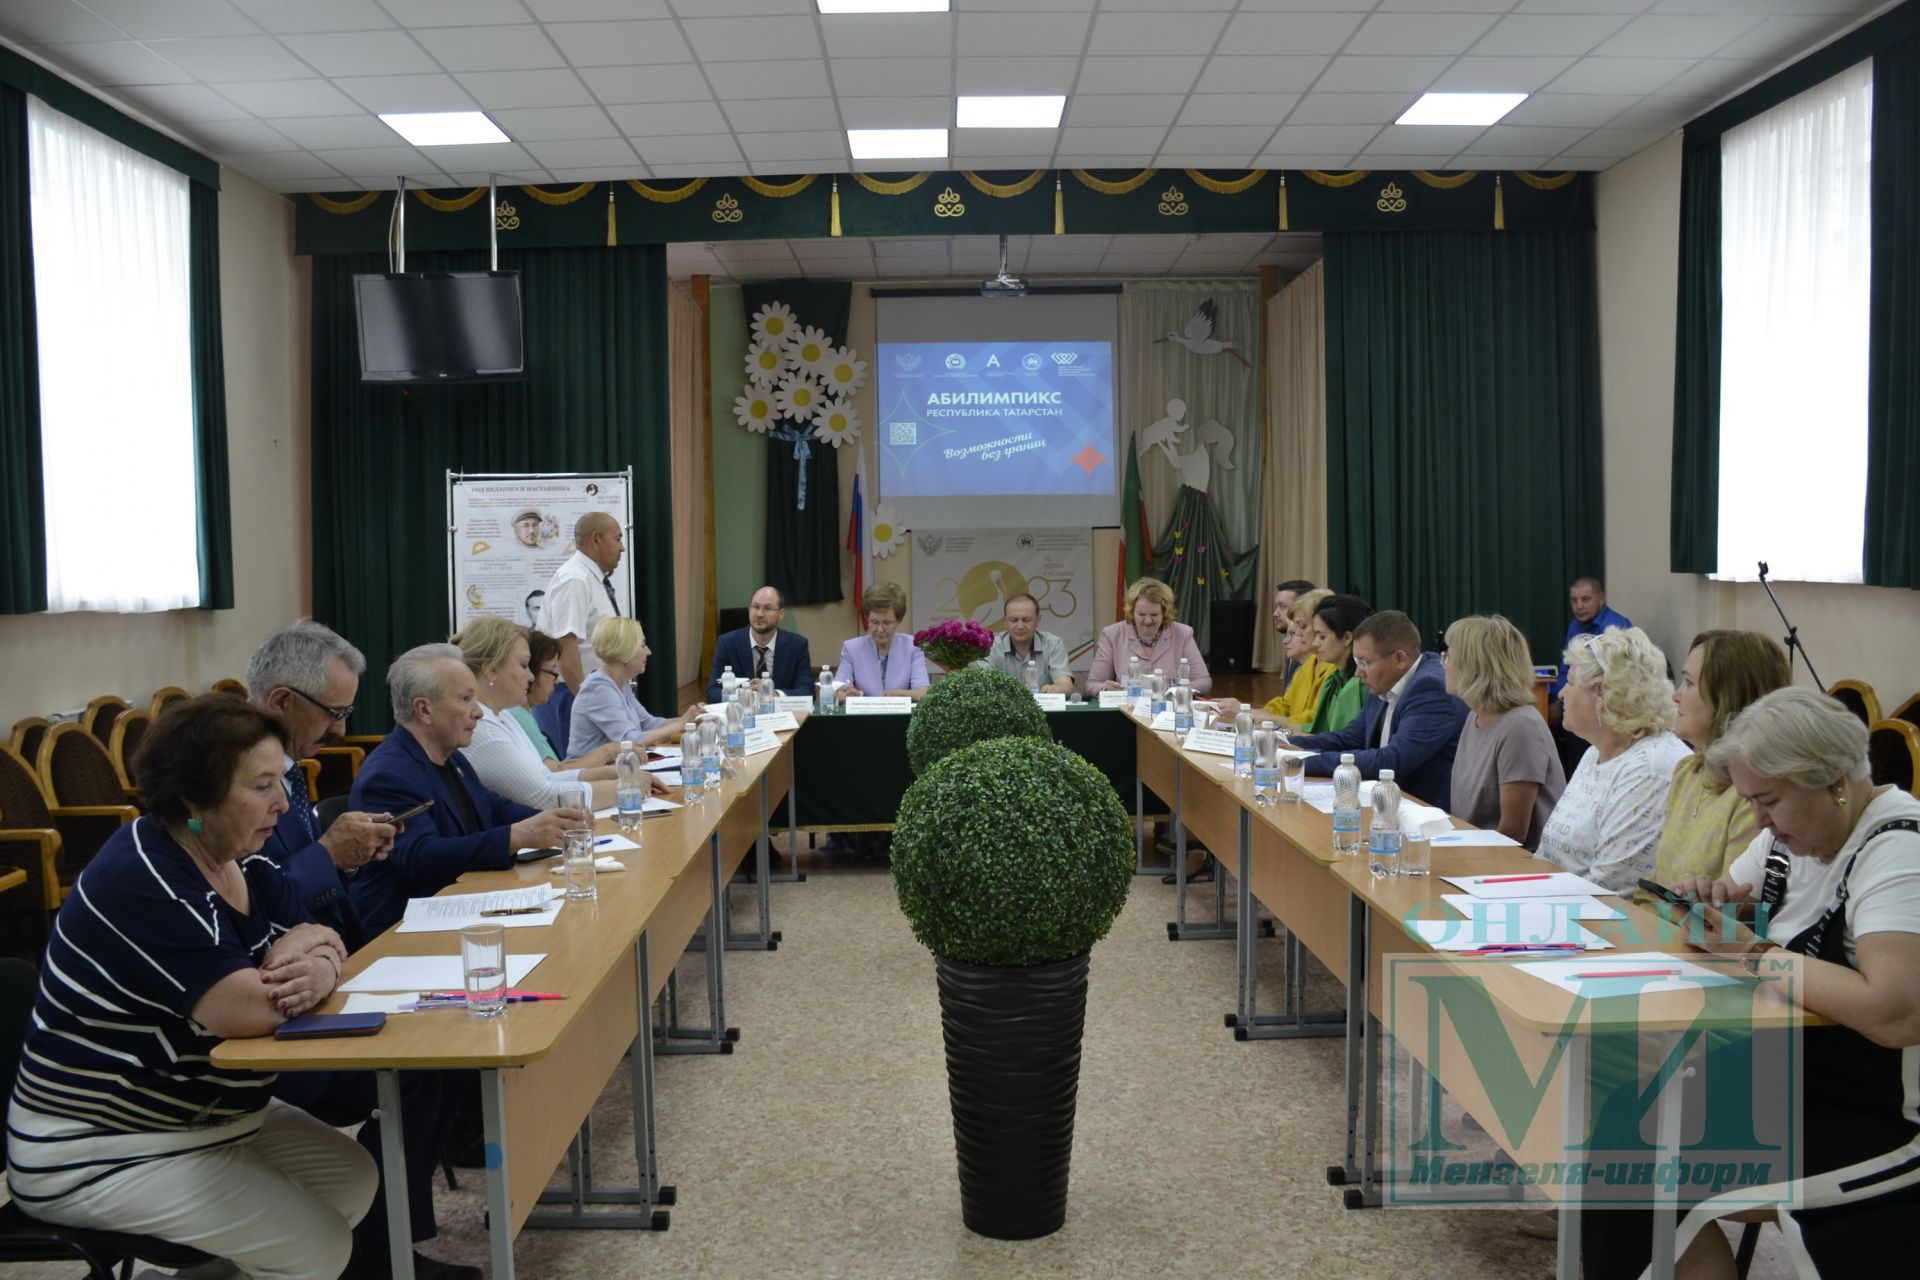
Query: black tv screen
(440,326)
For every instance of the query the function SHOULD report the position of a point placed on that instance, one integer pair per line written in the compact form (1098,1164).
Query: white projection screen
(997,412)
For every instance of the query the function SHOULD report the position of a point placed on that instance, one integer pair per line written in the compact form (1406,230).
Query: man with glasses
(762,648)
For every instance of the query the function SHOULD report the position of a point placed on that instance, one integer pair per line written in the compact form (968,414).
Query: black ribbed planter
(1013,1072)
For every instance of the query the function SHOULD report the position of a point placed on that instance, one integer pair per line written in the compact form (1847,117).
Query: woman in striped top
(168,945)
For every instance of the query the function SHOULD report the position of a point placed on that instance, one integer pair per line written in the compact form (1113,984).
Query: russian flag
(857,534)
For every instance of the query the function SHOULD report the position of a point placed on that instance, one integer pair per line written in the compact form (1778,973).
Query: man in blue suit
(469,828)
(1410,723)
(761,647)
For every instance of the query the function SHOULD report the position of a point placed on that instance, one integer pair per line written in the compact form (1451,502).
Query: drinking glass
(579,854)
(1293,778)
(483,962)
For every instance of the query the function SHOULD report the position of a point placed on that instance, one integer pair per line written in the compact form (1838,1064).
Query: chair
(27,733)
(100,714)
(27,1239)
(1893,753)
(78,778)
(1909,710)
(129,731)
(338,766)
(30,840)
(231,687)
(1858,697)
(327,811)
(164,698)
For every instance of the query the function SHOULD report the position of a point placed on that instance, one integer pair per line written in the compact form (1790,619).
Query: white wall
(1867,633)
(56,662)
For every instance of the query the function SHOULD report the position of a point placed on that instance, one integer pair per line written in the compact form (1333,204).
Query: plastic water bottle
(1184,672)
(748,703)
(1031,674)
(1265,750)
(1346,806)
(1182,699)
(629,790)
(1243,744)
(1383,842)
(769,696)
(727,682)
(736,730)
(693,760)
(1133,681)
(823,691)
(1157,691)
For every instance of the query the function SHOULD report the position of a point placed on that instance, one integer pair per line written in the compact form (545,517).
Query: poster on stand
(506,534)
(969,573)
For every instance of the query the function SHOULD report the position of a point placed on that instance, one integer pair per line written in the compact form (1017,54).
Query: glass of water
(575,795)
(579,854)
(1416,855)
(483,960)
(1293,778)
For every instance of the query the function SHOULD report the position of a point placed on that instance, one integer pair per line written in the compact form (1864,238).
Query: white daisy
(754,409)
(809,348)
(766,358)
(888,537)
(842,372)
(775,321)
(798,399)
(836,423)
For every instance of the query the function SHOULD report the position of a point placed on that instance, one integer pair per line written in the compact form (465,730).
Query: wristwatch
(1750,958)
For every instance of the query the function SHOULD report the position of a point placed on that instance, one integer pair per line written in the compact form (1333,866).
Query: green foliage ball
(969,706)
(1011,852)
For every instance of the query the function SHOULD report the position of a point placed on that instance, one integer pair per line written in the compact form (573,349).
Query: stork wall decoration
(1192,384)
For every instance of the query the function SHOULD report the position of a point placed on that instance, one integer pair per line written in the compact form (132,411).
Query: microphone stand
(1793,633)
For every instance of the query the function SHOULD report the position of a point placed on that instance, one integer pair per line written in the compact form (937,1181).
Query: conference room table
(543,1064)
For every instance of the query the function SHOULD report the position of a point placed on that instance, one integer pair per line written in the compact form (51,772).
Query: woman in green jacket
(1341,697)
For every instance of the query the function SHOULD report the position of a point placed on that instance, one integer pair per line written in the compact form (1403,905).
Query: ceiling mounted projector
(1003,285)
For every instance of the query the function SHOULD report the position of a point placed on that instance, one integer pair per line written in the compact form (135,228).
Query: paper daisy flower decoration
(836,423)
(774,321)
(888,537)
(766,360)
(809,348)
(842,372)
(798,398)
(755,410)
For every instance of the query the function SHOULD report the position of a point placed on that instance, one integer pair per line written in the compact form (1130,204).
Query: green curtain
(595,398)
(1693,530)
(1891,555)
(804,546)
(23,550)
(209,400)
(1463,424)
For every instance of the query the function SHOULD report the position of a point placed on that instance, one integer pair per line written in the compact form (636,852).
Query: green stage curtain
(1892,551)
(595,399)
(1463,425)
(804,546)
(210,401)
(23,550)
(1693,529)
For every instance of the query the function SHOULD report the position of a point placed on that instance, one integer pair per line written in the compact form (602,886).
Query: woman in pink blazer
(1149,633)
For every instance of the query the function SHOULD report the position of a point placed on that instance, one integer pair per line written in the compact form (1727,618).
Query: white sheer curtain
(1793,339)
(111,292)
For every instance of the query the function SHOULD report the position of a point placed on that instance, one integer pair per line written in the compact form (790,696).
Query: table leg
(717,1036)
(1666,1202)
(1178,930)
(493,1117)
(393,1174)
(1573,1139)
(765,939)
(793,832)
(1347,1173)
(1140,867)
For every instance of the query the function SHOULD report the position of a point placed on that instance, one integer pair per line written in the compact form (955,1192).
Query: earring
(196,827)
(1840,798)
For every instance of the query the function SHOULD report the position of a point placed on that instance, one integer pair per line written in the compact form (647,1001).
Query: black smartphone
(321,1026)
(535,855)
(414,812)
(1668,896)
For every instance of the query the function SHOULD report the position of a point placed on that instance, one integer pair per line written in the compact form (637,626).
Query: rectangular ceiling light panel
(897,144)
(444,128)
(1011,112)
(1461,108)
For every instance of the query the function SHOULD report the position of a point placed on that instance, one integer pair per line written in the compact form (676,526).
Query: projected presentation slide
(1031,419)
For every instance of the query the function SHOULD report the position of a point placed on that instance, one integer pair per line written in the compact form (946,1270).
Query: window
(111,231)
(1795,240)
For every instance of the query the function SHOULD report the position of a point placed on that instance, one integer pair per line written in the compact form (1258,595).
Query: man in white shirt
(581,594)
(1023,640)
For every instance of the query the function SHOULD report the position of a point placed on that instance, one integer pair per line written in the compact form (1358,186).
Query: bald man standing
(581,596)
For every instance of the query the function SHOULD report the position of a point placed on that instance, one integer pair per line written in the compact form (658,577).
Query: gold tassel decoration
(835,229)
(1059,208)
(1499,205)
(1283,201)
(613,238)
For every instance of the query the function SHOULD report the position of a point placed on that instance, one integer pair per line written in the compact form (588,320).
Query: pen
(1534,946)
(1631,973)
(1545,875)
(511,995)
(514,911)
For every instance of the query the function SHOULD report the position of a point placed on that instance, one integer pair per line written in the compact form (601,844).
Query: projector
(1004,285)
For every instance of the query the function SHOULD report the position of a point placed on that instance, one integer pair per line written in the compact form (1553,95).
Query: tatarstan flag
(1136,544)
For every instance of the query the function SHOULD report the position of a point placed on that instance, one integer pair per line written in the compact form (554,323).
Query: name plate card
(1111,698)
(1214,742)
(758,740)
(879,706)
(1051,701)
(793,705)
(1163,722)
(777,721)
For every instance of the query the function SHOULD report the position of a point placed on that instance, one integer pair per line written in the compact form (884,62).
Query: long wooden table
(543,1064)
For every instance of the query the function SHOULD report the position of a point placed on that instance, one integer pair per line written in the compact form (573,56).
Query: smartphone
(1668,896)
(321,1026)
(414,812)
(534,855)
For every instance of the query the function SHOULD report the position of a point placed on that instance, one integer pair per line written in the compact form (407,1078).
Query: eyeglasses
(551,673)
(338,713)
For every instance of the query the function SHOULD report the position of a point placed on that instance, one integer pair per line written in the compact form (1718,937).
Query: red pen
(1631,973)
(511,995)
(1545,875)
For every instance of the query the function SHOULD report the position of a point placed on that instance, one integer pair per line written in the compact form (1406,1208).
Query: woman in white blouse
(507,761)
(1608,820)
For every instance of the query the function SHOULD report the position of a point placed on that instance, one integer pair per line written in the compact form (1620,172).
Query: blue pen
(602,840)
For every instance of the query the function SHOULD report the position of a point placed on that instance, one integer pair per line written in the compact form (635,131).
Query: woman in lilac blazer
(1149,633)
(882,662)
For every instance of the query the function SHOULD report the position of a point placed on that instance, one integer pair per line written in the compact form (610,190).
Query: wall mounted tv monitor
(432,327)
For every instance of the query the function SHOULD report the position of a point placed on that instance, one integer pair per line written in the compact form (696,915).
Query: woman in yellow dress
(1295,707)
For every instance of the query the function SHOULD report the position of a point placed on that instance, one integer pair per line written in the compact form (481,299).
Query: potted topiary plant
(967,707)
(1011,858)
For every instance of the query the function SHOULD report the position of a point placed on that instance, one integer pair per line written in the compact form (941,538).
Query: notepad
(1507,924)
(430,973)
(1579,908)
(1475,839)
(1684,975)
(452,911)
(1527,884)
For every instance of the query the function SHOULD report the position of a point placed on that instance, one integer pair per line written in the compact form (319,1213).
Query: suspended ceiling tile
(665,119)
(672,82)
(709,150)
(361,53)
(1569,110)
(1350,74)
(507,90)
(456,13)
(274,98)
(591,10)
(1138,75)
(612,153)
(741,39)
(55,22)
(890,77)
(184,103)
(1234,73)
(620,44)
(389,160)
(555,124)
(1138,141)
(1536,34)
(1116,34)
(1238,108)
(996,35)
(1099,110)
(888,35)
(1619,75)
(1675,35)
(1350,108)
(381,94)
(1499,75)
(520,47)
(336,133)
(145,20)
(119,62)
(1388,33)
(241,137)
(773,115)
(1015,75)
(1217,140)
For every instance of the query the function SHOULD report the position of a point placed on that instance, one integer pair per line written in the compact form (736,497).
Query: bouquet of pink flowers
(955,643)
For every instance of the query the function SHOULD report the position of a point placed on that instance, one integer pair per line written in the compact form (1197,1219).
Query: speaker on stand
(1230,646)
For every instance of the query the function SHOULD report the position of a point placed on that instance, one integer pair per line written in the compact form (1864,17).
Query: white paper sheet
(670,776)
(1681,975)
(1051,701)
(1503,885)
(430,973)
(1212,741)
(1509,923)
(793,704)
(1319,792)
(879,706)
(602,864)
(759,740)
(1474,840)
(454,911)
(652,806)
(1110,698)
(1578,908)
(776,721)
(369,1002)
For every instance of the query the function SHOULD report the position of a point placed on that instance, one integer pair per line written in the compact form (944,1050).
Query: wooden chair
(166,697)
(231,687)
(1893,753)
(84,790)
(1909,710)
(1858,697)
(100,714)
(31,841)
(124,747)
(26,736)
(338,767)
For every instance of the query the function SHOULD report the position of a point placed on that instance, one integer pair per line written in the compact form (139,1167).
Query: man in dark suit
(469,828)
(762,648)
(1410,723)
